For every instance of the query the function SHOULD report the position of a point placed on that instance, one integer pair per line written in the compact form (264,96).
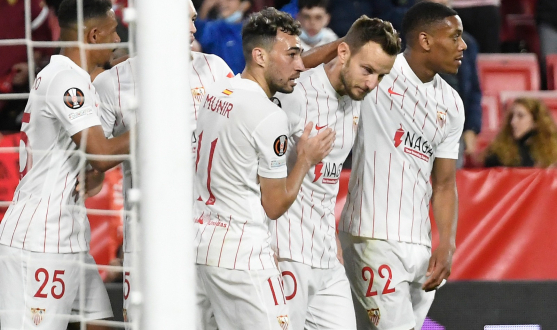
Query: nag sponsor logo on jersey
(280,145)
(197,93)
(37,315)
(329,171)
(283,321)
(74,98)
(217,105)
(374,315)
(414,144)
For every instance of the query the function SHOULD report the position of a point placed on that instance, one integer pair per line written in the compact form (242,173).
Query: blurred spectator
(546,18)
(9,170)
(291,8)
(314,18)
(528,137)
(14,68)
(482,20)
(223,37)
(344,13)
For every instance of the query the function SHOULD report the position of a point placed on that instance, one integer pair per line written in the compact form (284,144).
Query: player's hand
(315,148)
(440,265)
(470,142)
(93,183)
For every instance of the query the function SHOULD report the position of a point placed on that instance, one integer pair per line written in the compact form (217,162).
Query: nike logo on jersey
(317,127)
(392,92)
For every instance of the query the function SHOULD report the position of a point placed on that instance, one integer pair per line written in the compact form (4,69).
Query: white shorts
(229,299)
(317,298)
(386,279)
(42,290)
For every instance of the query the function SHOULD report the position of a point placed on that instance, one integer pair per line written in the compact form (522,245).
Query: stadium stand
(508,72)
(548,97)
(551,66)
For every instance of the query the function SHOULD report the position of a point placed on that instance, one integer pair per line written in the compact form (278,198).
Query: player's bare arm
(321,54)
(278,194)
(97,144)
(445,211)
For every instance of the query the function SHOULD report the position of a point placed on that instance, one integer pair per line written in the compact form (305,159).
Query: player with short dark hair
(45,234)
(404,157)
(316,286)
(241,176)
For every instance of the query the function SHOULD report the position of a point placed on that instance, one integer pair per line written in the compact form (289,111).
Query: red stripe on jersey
(312,233)
(321,260)
(415,107)
(17,223)
(307,102)
(455,104)
(5,221)
(73,220)
(421,203)
(302,230)
(211,199)
(289,235)
(261,261)
(416,90)
(425,119)
(211,239)
(198,77)
(413,204)
(403,96)
(328,109)
(434,135)
(277,236)
(60,216)
(133,76)
(336,118)
(373,228)
(45,219)
(240,242)
(119,101)
(442,94)
(26,117)
(198,149)
(343,126)
(209,65)
(400,204)
(29,224)
(388,186)
(361,200)
(316,97)
(198,245)
(249,259)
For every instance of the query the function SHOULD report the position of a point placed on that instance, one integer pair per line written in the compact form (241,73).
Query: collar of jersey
(247,84)
(402,65)
(65,60)
(322,75)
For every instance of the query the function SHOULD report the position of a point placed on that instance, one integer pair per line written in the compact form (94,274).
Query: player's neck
(417,62)
(333,70)
(259,79)
(74,54)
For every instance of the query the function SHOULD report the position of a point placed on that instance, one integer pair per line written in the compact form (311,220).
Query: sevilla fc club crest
(37,315)
(197,93)
(398,136)
(74,98)
(441,118)
(374,315)
(280,145)
(283,321)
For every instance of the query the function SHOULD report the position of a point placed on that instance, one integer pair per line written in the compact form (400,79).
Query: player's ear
(343,52)
(92,35)
(425,41)
(259,56)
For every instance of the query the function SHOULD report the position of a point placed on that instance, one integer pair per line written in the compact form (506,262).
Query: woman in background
(528,138)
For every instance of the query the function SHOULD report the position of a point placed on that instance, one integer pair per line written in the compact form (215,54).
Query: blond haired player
(409,133)
(117,89)
(316,286)
(45,234)
(241,176)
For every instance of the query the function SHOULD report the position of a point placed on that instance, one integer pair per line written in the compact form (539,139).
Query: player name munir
(217,105)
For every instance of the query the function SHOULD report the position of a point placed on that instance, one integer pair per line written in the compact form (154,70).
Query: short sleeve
(223,68)
(291,104)
(104,84)
(449,147)
(72,100)
(271,143)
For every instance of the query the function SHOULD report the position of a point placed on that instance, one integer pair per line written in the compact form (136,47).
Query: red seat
(508,72)
(551,67)
(548,97)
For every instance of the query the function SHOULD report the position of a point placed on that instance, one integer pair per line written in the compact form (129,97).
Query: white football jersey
(241,135)
(46,214)
(118,88)
(405,125)
(306,233)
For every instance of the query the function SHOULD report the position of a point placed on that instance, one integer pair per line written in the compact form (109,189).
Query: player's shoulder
(214,62)
(450,91)
(120,72)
